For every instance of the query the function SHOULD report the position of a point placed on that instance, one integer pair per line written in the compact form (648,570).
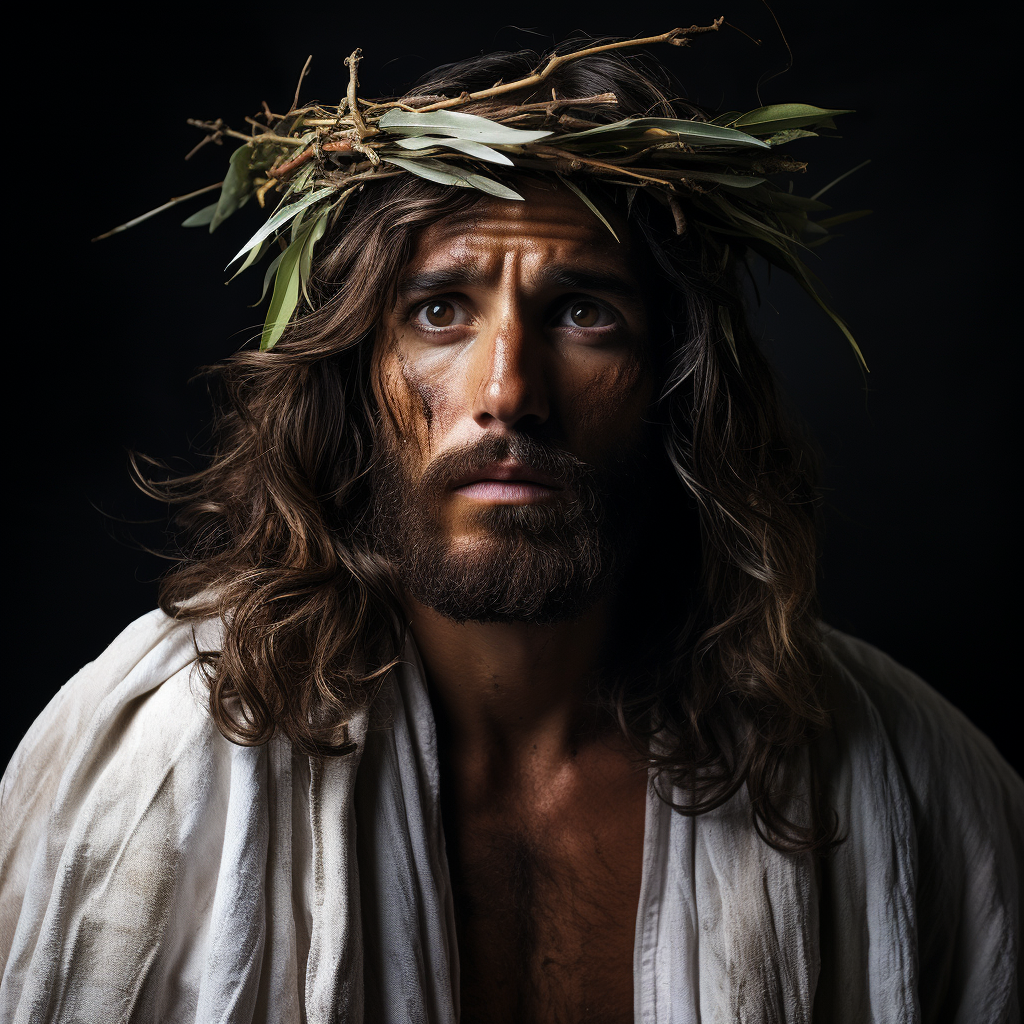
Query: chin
(520,578)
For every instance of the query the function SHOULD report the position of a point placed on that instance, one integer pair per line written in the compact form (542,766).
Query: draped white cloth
(152,871)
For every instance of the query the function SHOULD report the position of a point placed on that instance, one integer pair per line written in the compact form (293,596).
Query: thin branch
(302,75)
(341,180)
(159,209)
(290,165)
(846,174)
(321,122)
(211,126)
(341,146)
(565,154)
(756,42)
(352,63)
(262,191)
(521,111)
(675,36)
(578,101)
(678,216)
(215,137)
(266,136)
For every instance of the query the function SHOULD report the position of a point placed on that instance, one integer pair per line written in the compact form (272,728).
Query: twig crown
(317,156)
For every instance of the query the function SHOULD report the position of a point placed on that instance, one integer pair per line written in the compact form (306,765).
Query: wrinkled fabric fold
(150,870)
(404,875)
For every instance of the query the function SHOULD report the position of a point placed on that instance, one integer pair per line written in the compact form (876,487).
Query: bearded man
(490,686)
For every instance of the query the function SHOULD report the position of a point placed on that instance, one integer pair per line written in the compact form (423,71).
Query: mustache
(448,468)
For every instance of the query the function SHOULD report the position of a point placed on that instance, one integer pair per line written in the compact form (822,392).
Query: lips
(508,473)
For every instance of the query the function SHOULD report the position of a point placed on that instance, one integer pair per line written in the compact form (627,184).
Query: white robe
(152,871)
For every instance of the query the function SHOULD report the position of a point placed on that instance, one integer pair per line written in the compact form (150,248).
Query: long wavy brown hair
(718,684)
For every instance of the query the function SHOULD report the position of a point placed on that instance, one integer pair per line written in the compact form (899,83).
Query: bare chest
(546,912)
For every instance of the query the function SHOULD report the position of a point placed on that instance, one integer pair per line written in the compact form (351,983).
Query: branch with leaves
(313,158)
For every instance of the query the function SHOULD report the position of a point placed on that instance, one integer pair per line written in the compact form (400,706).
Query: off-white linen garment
(152,871)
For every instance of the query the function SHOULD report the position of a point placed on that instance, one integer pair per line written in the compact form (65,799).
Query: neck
(512,691)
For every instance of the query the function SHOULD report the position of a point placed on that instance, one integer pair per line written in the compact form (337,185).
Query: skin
(526,317)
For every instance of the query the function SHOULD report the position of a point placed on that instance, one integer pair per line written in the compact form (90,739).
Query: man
(490,686)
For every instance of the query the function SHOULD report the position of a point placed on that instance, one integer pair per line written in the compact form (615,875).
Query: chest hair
(546,926)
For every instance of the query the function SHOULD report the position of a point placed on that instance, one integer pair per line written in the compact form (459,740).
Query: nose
(509,362)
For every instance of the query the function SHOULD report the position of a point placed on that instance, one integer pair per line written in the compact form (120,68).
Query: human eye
(584,314)
(438,315)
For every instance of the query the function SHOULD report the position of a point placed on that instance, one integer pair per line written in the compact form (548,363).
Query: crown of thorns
(316,157)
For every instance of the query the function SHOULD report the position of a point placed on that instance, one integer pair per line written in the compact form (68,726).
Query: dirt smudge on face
(429,394)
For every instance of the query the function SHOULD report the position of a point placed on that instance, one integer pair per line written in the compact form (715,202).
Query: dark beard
(538,563)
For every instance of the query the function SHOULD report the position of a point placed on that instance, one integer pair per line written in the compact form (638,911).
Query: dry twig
(675,36)
(302,75)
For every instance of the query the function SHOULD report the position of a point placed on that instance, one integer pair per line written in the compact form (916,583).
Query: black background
(918,548)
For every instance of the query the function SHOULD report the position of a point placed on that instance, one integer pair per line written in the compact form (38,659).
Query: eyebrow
(454,276)
(589,281)
(442,279)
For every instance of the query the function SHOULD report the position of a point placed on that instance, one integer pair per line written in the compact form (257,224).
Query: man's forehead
(547,225)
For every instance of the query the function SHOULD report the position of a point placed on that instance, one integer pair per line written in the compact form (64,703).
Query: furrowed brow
(590,281)
(459,275)
(442,279)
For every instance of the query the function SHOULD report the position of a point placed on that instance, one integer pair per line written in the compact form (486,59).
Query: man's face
(511,375)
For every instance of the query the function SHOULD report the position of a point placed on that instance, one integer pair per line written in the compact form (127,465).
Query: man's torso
(546,885)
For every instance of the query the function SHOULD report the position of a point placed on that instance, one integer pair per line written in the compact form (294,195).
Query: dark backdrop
(918,545)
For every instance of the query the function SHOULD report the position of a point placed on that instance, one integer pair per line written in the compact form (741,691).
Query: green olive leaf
(449,174)
(781,138)
(841,218)
(639,129)
(269,276)
(732,180)
(492,187)
(457,125)
(285,297)
(257,252)
(236,189)
(280,217)
(315,233)
(202,217)
(573,187)
(835,181)
(781,117)
(467,146)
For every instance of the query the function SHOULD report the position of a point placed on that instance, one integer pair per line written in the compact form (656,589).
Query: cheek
(433,387)
(415,400)
(424,393)
(607,405)
(400,408)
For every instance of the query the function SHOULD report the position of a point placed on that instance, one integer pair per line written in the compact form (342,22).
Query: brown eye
(439,314)
(584,314)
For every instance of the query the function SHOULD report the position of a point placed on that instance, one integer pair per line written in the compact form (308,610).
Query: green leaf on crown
(237,187)
(650,130)
(457,125)
(780,117)
(449,174)
(280,217)
(202,217)
(467,146)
